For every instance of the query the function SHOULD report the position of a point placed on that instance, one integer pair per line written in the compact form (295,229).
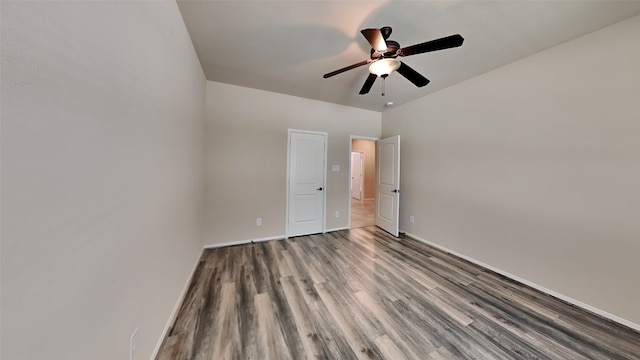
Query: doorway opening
(362,182)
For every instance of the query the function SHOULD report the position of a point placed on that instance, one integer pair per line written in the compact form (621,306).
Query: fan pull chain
(384,79)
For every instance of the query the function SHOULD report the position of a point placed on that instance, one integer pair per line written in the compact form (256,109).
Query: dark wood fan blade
(368,84)
(375,38)
(412,75)
(433,45)
(347,68)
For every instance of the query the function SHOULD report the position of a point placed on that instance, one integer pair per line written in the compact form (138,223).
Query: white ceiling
(286,46)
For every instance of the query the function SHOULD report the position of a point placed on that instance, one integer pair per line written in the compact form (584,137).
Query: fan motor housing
(391,52)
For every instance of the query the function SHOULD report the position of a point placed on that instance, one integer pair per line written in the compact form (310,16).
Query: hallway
(363,213)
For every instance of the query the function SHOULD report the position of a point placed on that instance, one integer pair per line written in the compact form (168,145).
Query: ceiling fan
(384,55)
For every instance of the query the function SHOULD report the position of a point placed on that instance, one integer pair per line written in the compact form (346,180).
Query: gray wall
(247,158)
(102,175)
(534,168)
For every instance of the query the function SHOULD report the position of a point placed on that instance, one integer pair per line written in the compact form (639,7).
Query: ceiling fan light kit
(384,67)
(383,60)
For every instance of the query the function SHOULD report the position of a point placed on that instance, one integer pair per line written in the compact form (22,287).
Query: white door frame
(351,138)
(324,193)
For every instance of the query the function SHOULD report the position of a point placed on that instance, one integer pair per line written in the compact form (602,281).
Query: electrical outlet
(133,344)
(412,219)
(258,221)
(337,214)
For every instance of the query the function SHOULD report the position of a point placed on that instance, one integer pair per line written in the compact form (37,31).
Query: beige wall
(368,147)
(102,180)
(534,168)
(247,158)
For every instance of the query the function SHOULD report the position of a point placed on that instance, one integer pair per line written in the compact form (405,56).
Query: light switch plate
(335,168)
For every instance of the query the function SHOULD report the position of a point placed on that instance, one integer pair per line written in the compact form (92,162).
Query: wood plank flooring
(363,213)
(362,294)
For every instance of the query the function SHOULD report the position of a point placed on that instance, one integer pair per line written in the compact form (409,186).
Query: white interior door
(356,174)
(307,153)
(388,184)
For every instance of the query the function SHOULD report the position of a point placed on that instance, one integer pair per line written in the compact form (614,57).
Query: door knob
(395,191)
(319,189)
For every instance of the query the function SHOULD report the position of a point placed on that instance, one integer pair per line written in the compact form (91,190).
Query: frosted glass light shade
(384,66)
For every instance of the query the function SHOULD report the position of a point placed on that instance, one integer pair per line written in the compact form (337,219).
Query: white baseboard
(336,229)
(278,237)
(176,308)
(575,302)
(241,242)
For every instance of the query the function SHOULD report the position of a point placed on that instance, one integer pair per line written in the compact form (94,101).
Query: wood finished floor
(361,294)
(363,213)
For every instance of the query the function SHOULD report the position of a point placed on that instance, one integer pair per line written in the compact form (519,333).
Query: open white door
(388,184)
(307,153)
